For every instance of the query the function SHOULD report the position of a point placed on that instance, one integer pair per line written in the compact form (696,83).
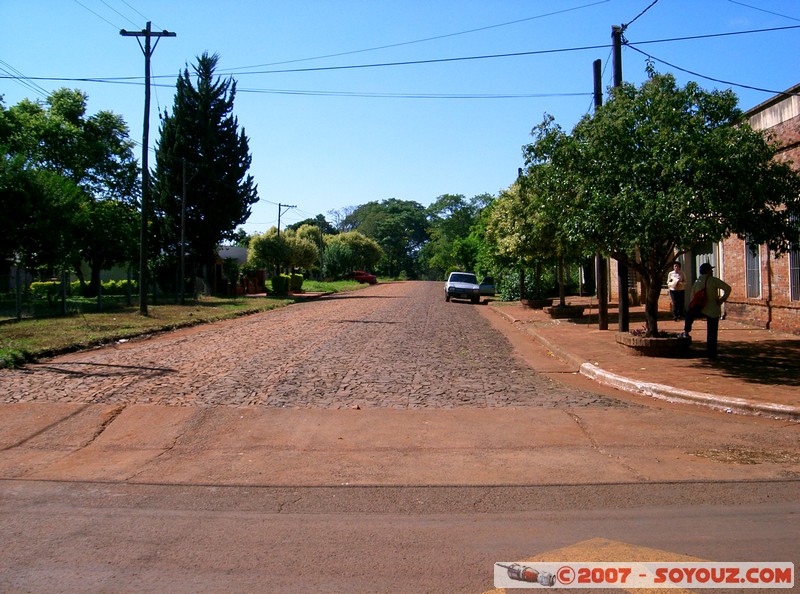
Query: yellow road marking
(600,550)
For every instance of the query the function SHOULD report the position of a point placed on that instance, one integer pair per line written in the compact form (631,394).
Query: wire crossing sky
(357,100)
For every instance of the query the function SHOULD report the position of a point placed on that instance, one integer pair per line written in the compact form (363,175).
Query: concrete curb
(661,391)
(672,394)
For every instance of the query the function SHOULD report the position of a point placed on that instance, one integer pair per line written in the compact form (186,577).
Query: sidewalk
(757,371)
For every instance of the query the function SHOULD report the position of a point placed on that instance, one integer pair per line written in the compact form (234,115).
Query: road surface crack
(112,416)
(599,448)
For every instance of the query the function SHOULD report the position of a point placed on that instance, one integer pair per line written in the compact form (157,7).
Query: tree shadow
(775,362)
(351,295)
(92,369)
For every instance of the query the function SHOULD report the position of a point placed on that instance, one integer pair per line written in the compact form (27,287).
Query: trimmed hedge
(296,283)
(50,290)
(283,283)
(280,284)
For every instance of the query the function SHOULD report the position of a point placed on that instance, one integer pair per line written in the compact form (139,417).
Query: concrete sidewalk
(757,371)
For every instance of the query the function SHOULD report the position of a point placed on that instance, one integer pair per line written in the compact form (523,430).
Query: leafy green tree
(320,222)
(549,196)
(288,249)
(312,232)
(303,246)
(337,259)
(450,219)
(345,252)
(399,227)
(42,212)
(200,144)
(659,169)
(512,238)
(269,250)
(95,154)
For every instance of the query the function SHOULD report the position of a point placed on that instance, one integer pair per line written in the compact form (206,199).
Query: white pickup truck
(462,285)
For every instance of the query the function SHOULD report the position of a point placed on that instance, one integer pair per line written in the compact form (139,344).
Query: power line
(102,18)
(411,95)
(137,12)
(763,10)
(446,35)
(718,80)
(23,80)
(119,13)
(429,61)
(135,79)
(628,24)
(714,35)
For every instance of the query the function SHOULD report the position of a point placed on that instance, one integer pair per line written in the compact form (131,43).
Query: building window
(794,273)
(752,256)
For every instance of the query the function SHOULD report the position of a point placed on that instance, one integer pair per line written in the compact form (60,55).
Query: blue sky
(324,137)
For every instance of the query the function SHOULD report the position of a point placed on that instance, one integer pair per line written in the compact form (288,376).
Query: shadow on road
(87,369)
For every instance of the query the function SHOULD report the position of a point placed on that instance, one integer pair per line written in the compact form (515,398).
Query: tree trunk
(521,283)
(94,282)
(652,293)
(562,296)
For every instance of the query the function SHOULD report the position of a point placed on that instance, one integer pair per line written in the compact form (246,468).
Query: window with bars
(752,256)
(794,273)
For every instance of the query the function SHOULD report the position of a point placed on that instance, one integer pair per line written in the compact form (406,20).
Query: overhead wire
(317,93)
(763,10)
(437,37)
(21,79)
(649,56)
(717,80)
(98,15)
(137,79)
(629,23)
(119,13)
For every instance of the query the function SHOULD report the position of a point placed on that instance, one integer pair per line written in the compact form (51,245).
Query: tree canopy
(95,218)
(452,246)
(202,146)
(352,250)
(399,227)
(290,248)
(659,169)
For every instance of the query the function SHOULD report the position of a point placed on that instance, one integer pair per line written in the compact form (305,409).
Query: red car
(362,277)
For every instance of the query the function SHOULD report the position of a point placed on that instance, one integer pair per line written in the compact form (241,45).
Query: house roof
(790,96)
(236,252)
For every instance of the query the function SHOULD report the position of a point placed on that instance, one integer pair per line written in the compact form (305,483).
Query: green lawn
(30,339)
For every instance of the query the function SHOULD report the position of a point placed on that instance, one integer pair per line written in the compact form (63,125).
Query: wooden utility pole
(147,33)
(601,264)
(622,269)
(280,207)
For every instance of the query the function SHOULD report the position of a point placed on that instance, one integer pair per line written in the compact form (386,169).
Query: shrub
(280,284)
(45,290)
(118,287)
(296,283)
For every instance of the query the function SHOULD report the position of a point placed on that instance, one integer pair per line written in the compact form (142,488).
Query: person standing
(676,282)
(712,309)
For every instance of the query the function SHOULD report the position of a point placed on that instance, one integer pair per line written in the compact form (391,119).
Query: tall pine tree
(201,145)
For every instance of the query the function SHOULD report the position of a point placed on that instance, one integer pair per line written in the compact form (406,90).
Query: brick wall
(773,308)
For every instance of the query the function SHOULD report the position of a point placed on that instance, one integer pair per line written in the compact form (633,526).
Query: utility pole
(147,33)
(282,206)
(183,235)
(601,265)
(622,269)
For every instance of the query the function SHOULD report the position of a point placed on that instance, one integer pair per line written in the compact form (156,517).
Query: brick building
(766,290)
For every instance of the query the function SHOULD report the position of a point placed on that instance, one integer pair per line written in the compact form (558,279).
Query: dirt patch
(739,455)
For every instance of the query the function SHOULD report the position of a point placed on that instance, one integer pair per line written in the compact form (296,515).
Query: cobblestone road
(393,345)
